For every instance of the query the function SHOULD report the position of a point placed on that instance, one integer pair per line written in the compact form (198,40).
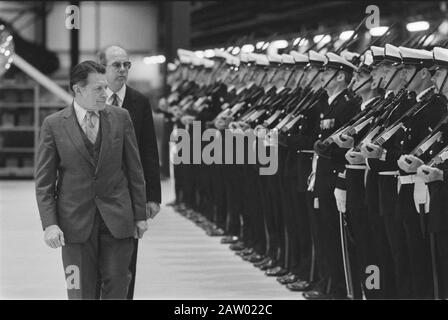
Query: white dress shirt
(120,95)
(81,114)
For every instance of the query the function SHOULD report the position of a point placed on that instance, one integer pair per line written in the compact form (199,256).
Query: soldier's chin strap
(314,78)
(390,80)
(412,78)
(331,78)
(363,84)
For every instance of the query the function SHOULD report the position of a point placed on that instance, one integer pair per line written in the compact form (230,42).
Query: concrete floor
(177,260)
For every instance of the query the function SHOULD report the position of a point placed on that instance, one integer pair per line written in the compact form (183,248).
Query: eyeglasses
(117,65)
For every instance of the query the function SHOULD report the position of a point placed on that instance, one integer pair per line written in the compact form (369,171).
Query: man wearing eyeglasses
(117,64)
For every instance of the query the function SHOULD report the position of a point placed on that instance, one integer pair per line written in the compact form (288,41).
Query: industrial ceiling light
(235,50)
(199,53)
(247,48)
(209,53)
(6,49)
(417,26)
(303,42)
(154,59)
(443,28)
(280,44)
(345,35)
(378,31)
(322,39)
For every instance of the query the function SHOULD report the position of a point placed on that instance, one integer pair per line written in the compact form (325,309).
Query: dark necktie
(115,100)
(91,126)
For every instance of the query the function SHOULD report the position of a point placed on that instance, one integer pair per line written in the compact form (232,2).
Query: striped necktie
(115,100)
(91,126)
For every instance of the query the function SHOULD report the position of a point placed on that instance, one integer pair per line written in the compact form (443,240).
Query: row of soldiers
(359,204)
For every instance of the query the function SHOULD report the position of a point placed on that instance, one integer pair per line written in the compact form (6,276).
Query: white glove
(341,196)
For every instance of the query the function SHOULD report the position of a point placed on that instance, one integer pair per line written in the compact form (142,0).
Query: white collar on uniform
(365,103)
(120,93)
(81,112)
(333,97)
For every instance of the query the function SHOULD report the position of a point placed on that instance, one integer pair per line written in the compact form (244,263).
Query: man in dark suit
(117,64)
(90,188)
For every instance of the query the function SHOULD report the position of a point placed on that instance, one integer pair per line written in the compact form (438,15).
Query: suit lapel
(128,102)
(72,130)
(105,136)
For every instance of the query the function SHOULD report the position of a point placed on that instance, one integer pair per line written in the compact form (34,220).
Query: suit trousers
(103,252)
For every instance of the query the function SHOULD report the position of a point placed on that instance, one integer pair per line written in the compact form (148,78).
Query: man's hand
(344,141)
(54,237)
(354,157)
(140,228)
(372,151)
(429,174)
(152,209)
(409,163)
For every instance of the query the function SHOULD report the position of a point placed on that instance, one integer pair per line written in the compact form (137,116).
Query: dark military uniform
(329,165)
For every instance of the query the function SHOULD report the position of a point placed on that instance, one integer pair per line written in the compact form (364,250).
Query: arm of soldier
(134,169)
(47,160)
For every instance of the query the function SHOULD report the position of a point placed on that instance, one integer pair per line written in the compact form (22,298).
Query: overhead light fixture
(199,53)
(280,44)
(443,28)
(154,59)
(259,45)
(417,26)
(303,42)
(235,50)
(429,40)
(345,35)
(247,48)
(209,53)
(322,39)
(378,31)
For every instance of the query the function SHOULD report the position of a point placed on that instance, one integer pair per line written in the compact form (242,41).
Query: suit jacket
(70,189)
(141,115)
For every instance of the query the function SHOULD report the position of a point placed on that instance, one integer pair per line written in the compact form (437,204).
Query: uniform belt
(410,179)
(305,151)
(355,166)
(421,192)
(389,173)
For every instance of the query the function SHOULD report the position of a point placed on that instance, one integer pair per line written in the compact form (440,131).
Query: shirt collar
(120,93)
(81,112)
(333,97)
(366,103)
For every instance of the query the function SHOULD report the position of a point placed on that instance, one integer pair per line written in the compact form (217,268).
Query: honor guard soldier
(330,162)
